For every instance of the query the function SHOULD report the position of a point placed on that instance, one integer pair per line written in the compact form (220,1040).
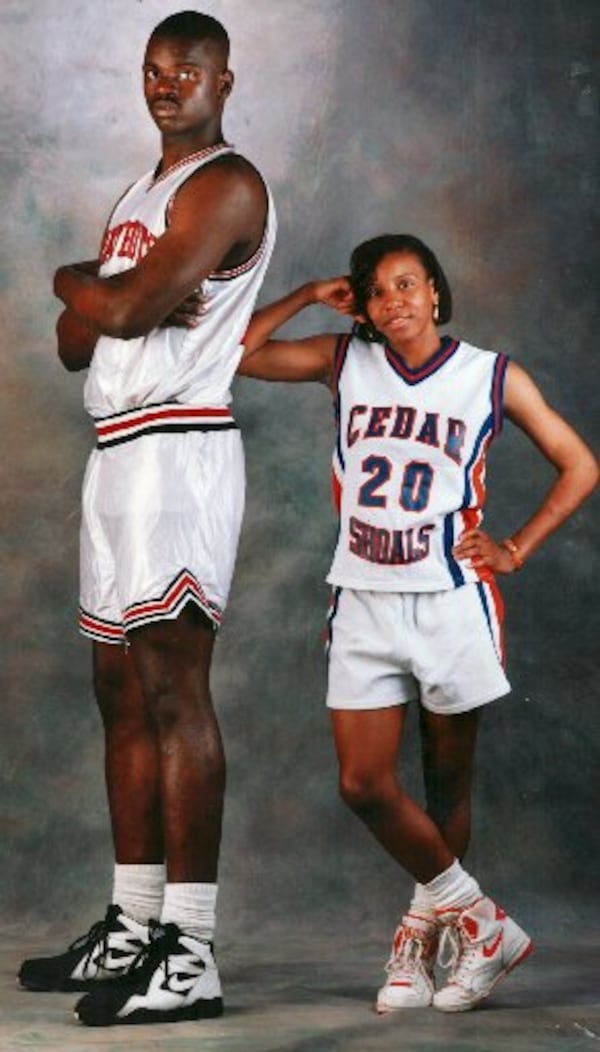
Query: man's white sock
(192,907)
(139,890)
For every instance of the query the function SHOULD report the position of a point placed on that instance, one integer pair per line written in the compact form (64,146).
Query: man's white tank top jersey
(409,462)
(171,366)
(163,493)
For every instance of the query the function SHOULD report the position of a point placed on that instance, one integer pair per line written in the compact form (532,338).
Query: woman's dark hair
(364,260)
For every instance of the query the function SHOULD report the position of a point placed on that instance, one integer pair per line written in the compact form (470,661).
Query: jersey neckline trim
(438,359)
(200,155)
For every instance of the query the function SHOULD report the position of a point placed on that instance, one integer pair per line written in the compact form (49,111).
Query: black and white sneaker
(106,952)
(175,978)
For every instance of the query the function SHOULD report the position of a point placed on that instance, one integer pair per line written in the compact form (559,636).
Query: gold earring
(436,311)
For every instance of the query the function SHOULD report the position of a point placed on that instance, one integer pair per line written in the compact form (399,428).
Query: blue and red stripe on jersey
(474,494)
(338,465)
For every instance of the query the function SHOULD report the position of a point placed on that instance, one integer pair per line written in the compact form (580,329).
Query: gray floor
(316,995)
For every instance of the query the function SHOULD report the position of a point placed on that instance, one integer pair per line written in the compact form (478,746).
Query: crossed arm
(75,340)
(217,220)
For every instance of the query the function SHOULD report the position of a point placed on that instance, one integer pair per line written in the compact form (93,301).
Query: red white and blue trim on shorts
(334,602)
(183,589)
(159,419)
(492,605)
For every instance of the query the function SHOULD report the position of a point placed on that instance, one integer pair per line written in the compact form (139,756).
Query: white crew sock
(453,889)
(139,890)
(192,907)
(421,903)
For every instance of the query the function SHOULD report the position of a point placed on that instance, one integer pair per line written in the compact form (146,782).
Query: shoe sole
(67,987)
(200,1010)
(383,1008)
(387,1009)
(522,953)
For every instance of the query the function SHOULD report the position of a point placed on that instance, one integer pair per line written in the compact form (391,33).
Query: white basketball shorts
(160,526)
(443,648)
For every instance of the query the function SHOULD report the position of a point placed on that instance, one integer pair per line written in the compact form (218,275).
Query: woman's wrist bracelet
(513,550)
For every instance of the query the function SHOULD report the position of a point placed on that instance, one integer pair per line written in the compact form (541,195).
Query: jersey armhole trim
(497,393)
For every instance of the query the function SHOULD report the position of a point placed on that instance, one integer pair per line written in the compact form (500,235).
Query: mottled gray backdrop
(472,123)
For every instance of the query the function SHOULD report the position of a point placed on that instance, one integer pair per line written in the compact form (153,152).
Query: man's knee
(166,704)
(113,681)
(175,692)
(173,664)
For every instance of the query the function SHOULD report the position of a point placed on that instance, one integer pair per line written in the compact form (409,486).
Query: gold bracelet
(513,550)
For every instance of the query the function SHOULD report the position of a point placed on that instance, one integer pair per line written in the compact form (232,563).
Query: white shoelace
(449,949)
(408,957)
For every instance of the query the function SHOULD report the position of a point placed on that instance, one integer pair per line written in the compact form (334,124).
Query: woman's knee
(364,791)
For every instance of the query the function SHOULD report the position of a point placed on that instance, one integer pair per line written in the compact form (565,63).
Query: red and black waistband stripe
(151,420)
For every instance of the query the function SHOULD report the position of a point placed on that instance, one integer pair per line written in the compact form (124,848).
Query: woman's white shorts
(444,648)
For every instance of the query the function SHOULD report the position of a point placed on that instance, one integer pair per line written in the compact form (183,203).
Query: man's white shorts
(160,526)
(444,648)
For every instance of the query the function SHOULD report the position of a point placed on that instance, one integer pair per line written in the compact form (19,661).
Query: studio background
(471,123)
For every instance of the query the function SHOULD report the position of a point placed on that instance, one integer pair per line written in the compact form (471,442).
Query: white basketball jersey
(187,366)
(409,462)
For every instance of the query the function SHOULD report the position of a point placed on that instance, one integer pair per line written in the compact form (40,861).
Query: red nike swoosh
(489,951)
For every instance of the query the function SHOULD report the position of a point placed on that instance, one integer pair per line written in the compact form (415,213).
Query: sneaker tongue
(421,926)
(157,930)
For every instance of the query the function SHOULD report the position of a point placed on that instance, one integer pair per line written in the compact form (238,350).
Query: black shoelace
(98,933)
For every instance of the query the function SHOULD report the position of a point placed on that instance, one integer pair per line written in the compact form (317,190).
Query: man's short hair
(192,25)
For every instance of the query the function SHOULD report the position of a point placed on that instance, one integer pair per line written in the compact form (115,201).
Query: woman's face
(400,300)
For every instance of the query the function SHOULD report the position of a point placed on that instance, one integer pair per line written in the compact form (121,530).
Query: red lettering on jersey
(352,435)
(379,416)
(406,422)
(455,439)
(429,430)
(131,240)
(375,544)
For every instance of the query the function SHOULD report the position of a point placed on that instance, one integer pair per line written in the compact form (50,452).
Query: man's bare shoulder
(229,174)
(227,194)
(236,162)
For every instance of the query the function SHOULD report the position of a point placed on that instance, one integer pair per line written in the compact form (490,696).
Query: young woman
(416,613)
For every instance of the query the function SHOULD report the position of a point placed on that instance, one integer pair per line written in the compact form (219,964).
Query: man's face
(185,84)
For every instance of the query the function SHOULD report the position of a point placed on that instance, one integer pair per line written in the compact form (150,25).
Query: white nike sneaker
(484,946)
(409,982)
(175,978)
(106,952)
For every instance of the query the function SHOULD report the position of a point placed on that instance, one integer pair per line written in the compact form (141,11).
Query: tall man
(162,507)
